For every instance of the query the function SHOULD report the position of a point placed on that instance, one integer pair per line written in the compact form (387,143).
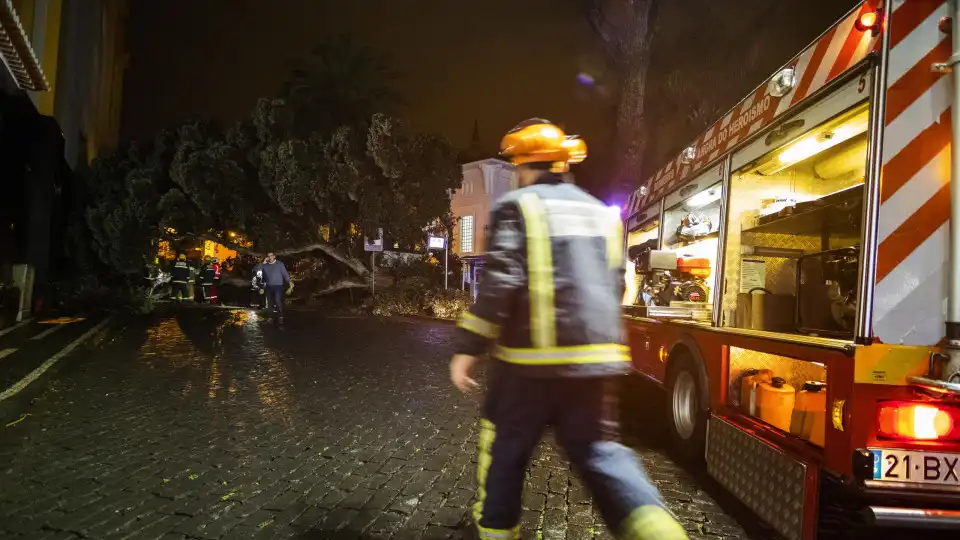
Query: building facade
(61,85)
(484,182)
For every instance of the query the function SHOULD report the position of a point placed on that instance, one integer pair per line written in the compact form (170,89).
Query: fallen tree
(255,188)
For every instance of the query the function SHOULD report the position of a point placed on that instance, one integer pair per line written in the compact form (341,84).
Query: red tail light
(918,421)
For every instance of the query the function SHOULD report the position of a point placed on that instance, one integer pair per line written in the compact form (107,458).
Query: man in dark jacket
(179,277)
(277,282)
(550,301)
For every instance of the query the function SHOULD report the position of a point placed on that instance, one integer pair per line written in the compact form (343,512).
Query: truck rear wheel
(687,413)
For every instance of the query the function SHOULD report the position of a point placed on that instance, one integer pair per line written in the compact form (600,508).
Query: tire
(840,517)
(687,425)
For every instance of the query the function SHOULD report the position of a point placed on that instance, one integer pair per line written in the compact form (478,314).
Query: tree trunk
(626,29)
(632,129)
(341,285)
(356,265)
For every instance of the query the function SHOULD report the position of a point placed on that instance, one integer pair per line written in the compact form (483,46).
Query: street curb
(423,318)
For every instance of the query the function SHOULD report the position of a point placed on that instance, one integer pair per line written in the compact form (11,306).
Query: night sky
(497,61)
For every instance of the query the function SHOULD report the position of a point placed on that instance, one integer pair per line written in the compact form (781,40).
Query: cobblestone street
(217,425)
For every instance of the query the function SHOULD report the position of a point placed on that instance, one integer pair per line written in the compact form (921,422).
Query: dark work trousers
(178,290)
(257,299)
(275,298)
(208,294)
(582,413)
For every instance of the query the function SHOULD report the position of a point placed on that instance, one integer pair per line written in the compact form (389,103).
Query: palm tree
(342,82)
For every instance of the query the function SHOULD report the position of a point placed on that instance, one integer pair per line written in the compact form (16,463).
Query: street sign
(436,242)
(376,245)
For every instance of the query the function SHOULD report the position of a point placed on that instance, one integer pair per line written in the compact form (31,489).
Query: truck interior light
(827,136)
(918,421)
(704,198)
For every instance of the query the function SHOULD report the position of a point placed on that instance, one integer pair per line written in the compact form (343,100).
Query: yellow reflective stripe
(510,534)
(488,432)
(580,354)
(650,521)
(615,244)
(543,328)
(469,321)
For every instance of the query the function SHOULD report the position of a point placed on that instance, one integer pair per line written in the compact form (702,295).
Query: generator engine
(666,278)
(840,273)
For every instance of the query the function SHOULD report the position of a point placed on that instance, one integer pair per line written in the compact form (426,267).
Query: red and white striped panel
(838,50)
(912,235)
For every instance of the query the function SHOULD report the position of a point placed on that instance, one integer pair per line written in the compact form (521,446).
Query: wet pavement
(216,424)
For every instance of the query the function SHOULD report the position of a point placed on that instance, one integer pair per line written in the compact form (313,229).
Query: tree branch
(353,264)
(340,286)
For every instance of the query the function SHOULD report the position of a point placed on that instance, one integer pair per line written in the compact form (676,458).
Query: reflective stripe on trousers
(488,433)
(578,354)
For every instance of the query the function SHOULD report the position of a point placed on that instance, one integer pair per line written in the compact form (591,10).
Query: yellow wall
(50,55)
(25,10)
(101,109)
(104,124)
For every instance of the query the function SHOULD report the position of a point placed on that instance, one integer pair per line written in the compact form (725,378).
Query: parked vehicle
(814,342)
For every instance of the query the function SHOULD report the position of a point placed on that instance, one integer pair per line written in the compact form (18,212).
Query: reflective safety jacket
(553,278)
(208,274)
(180,272)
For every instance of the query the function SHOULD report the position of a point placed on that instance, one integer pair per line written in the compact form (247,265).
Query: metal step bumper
(915,518)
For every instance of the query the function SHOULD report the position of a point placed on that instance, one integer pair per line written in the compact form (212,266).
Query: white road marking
(47,332)
(6,352)
(7,330)
(33,375)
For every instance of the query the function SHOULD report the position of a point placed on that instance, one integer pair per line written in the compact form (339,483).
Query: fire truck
(794,279)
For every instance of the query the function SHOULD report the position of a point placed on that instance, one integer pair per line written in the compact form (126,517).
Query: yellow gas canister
(775,402)
(810,412)
(748,389)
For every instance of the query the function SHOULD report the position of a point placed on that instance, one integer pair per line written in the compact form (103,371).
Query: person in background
(179,277)
(256,287)
(215,266)
(277,282)
(198,282)
(206,280)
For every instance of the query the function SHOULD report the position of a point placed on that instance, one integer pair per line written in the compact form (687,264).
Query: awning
(17,53)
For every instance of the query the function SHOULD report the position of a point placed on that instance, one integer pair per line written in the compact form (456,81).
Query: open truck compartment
(806,299)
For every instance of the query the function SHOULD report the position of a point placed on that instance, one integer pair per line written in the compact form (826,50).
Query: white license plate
(916,467)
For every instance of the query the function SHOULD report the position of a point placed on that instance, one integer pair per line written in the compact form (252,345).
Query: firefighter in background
(198,282)
(215,265)
(206,279)
(257,288)
(550,302)
(179,277)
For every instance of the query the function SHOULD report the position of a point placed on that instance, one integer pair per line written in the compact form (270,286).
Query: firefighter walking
(179,277)
(550,303)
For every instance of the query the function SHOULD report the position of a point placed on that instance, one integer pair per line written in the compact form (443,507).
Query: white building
(484,182)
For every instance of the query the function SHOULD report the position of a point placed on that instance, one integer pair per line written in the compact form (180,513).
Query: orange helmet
(538,140)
